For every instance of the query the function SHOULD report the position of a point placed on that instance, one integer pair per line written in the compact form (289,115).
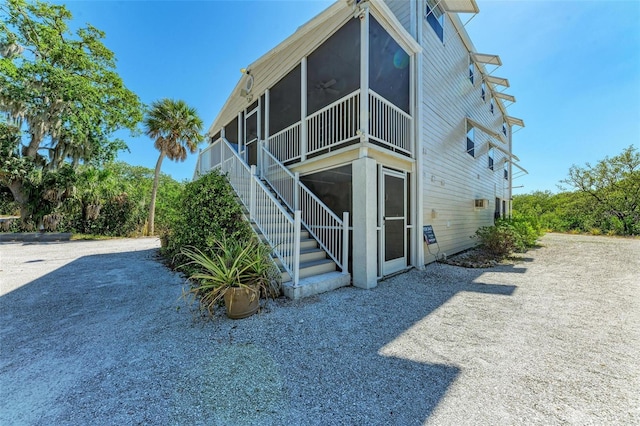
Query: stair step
(315,267)
(305,243)
(308,255)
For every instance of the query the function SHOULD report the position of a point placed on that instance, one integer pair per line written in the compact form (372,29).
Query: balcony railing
(389,124)
(338,123)
(334,124)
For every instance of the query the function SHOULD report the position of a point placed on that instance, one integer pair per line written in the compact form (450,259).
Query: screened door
(394,221)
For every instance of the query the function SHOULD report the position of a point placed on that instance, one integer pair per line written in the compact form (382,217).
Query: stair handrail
(260,203)
(336,248)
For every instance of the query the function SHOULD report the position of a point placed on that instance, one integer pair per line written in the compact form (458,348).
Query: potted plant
(238,272)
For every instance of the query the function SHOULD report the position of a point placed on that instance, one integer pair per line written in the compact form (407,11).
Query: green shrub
(207,212)
(500,240)
(510,235)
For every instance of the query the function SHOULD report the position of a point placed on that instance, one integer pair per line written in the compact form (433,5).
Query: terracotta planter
(241,302)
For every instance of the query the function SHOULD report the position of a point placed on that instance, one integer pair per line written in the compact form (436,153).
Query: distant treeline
(605,200)
(112,200)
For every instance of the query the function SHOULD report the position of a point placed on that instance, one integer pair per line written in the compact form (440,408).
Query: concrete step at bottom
(316,284)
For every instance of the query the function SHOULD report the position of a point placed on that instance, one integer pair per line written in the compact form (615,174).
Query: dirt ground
(95,332)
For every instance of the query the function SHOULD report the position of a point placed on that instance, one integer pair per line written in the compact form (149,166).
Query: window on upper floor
(471,72)
(506,170)
(471,140)
(491,105)
(504,128)
(490,156)
(483,93)
(435,16)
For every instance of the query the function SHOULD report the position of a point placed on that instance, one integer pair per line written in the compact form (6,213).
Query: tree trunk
(154,192)
(20,196)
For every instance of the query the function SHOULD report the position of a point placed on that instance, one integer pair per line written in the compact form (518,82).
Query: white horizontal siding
(452,179)
(402,10)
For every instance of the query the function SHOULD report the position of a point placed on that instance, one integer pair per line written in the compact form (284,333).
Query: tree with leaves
(176,128)
(60,96)
(614,185)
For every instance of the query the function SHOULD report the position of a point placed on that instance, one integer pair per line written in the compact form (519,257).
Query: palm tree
(176,128)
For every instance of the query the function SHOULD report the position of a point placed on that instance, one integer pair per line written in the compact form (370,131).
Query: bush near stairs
(208,211)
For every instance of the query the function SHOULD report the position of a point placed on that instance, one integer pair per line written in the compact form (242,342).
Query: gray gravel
(95,332)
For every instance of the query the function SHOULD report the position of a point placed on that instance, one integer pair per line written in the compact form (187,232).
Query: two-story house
(373,120)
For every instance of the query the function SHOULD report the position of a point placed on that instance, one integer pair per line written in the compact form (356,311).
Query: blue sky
(574,67)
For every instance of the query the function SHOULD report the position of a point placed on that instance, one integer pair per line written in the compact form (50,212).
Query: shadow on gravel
(100,341)
(80,344)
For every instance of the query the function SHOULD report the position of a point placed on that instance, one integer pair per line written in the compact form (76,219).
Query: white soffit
(513,121)
(484,129)
(497,80)
(484,58)
(504,96)
(459,6)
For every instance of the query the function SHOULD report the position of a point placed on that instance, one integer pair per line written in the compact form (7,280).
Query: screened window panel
(333,69)
(284,102)
(231,131)
(388,67)
(252,127)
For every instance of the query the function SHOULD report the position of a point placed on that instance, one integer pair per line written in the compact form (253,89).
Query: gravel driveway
(95,332)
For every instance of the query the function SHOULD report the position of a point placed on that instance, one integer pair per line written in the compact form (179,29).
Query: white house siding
(452,179)
(402,10)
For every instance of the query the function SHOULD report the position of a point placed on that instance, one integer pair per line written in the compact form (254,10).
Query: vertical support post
(303,109)
(240,135)
(296,247)
(365,223)
(252,193)
(296,191)
(266,117)
(258,141)
(266,123)
(364,73)
(259,144)
(345,242)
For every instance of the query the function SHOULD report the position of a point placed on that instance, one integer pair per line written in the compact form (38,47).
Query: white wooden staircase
(310,250)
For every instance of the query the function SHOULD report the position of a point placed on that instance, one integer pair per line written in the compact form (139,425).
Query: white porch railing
(280,230)
(340,122)
(334,124)
(331,232)
(389,124)
(285,145)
